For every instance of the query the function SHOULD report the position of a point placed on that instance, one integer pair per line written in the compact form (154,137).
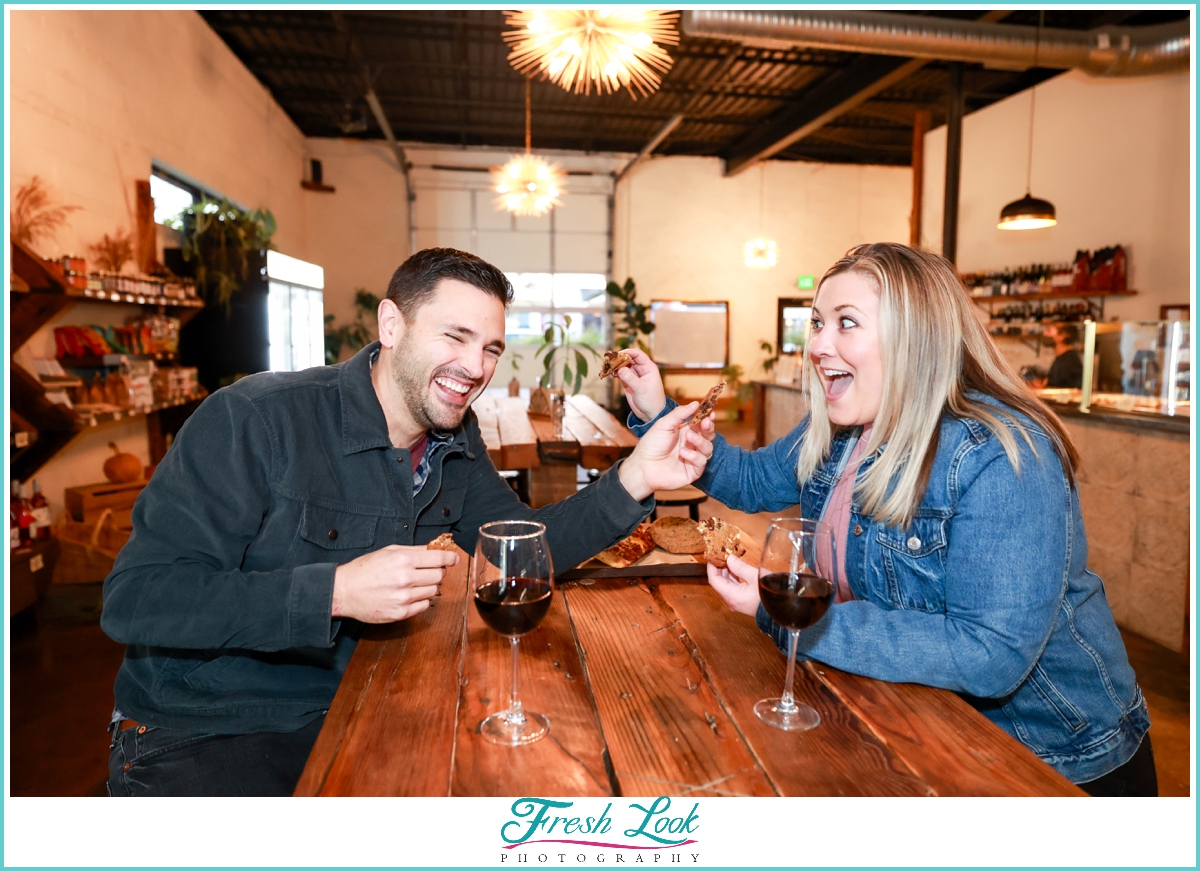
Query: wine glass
(796,582)
(513,581)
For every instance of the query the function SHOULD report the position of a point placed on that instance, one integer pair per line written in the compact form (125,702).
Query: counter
(1134,489)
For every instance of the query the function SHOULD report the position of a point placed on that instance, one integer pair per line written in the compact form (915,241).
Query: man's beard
(410,374)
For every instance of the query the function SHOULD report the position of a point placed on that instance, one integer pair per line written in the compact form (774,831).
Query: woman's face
(844,347)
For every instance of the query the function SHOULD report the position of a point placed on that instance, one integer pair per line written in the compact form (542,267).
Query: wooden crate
(89,549)
(86,503)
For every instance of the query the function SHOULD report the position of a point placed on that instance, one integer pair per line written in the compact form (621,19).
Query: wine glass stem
(788,703)
(515,714)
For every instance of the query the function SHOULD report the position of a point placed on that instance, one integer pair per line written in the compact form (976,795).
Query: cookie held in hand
(677,535)
(721,540)
(707,406)
(445,541)
(614,360)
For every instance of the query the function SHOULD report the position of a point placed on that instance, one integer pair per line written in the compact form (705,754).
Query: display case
(1134,367)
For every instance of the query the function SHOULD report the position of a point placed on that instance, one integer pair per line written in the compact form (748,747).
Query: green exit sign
(805,282)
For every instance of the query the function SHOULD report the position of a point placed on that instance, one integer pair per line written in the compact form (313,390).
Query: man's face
(447,355)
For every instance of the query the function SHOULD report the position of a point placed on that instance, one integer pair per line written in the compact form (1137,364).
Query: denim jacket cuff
(310,606)
(639,427)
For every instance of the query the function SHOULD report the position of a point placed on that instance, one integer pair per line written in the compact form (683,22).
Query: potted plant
(560,356)
(741,394)
(630,319)
(222,239)
(354,335)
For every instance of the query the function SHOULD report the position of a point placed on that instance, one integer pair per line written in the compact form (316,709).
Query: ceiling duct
(1107,51)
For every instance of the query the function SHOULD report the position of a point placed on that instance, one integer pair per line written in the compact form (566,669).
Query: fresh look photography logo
(542,831)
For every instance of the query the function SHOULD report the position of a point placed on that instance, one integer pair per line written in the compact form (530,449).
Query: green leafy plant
(557,348)
(768,364)
(630,318)
(739,393)
(353,335)
(221,238)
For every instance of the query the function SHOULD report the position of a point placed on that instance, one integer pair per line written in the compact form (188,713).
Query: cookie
(614,360)
(721,539)
(445,541)
(677,535)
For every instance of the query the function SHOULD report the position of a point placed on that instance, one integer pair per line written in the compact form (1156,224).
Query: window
(542,297)
(171,195)
(792,324)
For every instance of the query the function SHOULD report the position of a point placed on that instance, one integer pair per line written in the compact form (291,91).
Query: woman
(951,492)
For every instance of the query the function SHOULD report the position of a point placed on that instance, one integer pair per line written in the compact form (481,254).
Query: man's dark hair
(1069,333)
(413,283)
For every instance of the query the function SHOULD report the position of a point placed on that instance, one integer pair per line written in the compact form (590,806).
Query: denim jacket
(223,594)
(987,592)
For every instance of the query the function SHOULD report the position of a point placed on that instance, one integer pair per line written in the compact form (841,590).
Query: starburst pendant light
(579,49)
(1029,212)
(527,185)
(760,252)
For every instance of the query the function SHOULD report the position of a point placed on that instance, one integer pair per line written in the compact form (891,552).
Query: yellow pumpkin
(122,468)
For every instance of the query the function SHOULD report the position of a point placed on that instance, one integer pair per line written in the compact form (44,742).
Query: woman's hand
(737,584)
(671,455)
(643,385)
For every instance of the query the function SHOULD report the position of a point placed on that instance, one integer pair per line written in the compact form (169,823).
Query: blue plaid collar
(437,441)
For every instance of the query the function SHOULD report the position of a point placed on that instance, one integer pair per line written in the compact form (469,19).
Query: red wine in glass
(513,606)
(795,601)
(796,583)
(513,579)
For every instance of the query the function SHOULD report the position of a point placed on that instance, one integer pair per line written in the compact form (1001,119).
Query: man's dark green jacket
(224,592)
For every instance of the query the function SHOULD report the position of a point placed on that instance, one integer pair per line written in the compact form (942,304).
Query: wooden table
(649,685)
(517,441)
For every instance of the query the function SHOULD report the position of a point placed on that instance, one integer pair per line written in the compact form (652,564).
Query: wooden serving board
(658,563)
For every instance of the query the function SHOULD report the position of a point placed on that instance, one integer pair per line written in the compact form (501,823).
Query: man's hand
(671,455)
(643,385)
(737,584)
(390,584)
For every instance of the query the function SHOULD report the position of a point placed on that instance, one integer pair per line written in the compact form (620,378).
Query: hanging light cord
(527,114)
(1037,42)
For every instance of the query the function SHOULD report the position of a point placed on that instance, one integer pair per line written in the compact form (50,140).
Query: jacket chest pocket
(443,512)
(914,564)
(333,532)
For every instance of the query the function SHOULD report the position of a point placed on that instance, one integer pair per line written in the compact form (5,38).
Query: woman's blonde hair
(934,350)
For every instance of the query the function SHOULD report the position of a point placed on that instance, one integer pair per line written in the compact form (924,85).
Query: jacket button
(406,526)
(446,511)
(333,535)
(858,529)
(914,543)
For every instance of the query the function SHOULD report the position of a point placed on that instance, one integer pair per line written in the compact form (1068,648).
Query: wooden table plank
(666,732)
(519,441)
(949,744)
(570,759)
(596,449)
(489,428)
(390,729)
(611,427)
(841,756)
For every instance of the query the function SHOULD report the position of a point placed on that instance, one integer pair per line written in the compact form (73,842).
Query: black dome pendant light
(1029,212)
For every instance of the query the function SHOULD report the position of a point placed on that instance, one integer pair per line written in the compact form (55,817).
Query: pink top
(837,512)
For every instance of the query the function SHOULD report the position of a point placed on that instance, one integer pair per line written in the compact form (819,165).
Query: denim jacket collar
(364,426)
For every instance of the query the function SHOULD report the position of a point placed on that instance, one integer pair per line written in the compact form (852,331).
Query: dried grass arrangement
(113,252)
(35,215)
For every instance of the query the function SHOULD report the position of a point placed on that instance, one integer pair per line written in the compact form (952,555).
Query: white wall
(1113,155)
(681,227)
(94,97)
(360,233)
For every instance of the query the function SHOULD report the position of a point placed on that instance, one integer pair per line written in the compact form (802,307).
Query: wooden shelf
(37,295)
(109,360)
(1058,294)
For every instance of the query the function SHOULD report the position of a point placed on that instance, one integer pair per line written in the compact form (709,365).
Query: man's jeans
(147,760)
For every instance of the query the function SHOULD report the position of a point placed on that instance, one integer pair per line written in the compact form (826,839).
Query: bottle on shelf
(20,513)
(39,529)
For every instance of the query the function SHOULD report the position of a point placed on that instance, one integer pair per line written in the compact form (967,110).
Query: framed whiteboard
(690,335)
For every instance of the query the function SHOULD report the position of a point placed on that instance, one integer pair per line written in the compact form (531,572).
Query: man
(294,506)
(1067,368)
